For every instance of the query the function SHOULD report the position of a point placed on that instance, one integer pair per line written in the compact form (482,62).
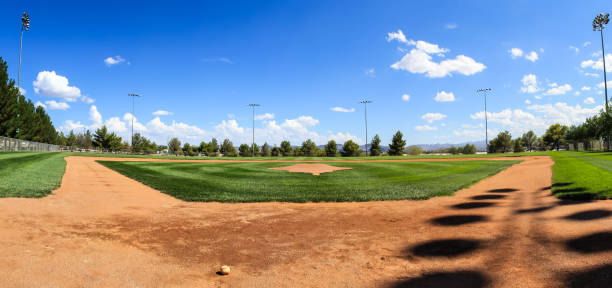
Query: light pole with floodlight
(598,25)
(484,91)
(253,143)
(133,96)
(25,25)
(365,105)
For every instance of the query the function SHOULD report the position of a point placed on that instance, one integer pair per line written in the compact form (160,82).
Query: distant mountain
(480,146)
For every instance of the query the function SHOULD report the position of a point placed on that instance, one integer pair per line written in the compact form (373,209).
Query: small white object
(225,270)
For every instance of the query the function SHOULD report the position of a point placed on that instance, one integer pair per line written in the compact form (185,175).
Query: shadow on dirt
(445,248)
(472,205)
(488,197)
(589,215)
(533,210)
(503,190)
(593,243)
(457,220)
(456,279)
(597,277)
(564,202)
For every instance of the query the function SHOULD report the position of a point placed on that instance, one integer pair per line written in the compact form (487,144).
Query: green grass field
(30,174)
(253,182)
(582,175)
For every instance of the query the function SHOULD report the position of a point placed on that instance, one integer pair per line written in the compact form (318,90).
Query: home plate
(314,169)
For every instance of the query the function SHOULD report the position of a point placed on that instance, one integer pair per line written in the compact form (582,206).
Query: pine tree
(397,144)
(375,149)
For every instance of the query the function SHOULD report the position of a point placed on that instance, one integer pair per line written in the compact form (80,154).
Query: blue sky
(202,62)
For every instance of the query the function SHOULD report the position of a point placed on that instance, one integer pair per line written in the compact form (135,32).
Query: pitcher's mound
(314,169)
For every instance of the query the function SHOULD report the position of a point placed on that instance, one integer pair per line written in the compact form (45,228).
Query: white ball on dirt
(225,270)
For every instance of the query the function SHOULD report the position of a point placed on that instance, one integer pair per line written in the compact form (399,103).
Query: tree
(285,148)
(108,141)
(254,146)
(213,146)
(174,146)
(555,136)
(8,103)
(228,149)
(265,150)
(501,143)
(244,150)
(331,149)
(529,140)
(375,149)
(518,146)
(188,150)
(468,149)
(350,148)
(71,140)
(309,148)
(276,151)
(414,150)
(203,148)
(397,144)
(452,150)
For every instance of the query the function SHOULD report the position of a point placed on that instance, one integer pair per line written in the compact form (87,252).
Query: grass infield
(253,182)
(30,174)
(582,175)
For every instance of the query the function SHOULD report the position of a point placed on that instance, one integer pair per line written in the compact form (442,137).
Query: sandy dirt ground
(312,168)
(101,229)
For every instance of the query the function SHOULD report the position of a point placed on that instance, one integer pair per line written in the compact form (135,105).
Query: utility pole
(598,25)
(484,91)
(253,143)
(365,105)
(25,25)
(133,96)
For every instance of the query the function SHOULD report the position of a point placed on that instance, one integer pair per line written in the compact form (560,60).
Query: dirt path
(100,229)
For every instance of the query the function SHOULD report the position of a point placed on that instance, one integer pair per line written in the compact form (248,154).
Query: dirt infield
(312,168)
(101,229)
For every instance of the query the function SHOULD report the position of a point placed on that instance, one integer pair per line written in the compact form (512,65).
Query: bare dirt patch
(314,169)
(101,229)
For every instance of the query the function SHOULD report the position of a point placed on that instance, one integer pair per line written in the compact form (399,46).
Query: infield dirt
(101,229)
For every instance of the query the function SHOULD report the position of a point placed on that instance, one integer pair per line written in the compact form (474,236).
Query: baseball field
(489,221)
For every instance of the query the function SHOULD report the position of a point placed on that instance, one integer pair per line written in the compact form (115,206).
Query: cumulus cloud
(585,88)
(431,117)
(48,83)
(587,43)
(425,128)
(22,91)
(589,101)
(530,84)
(265,116)
(406,97)
(516,53)
(342,109)
(444,96)
(574,48)
(162,113)
(40,104)
(110,61)
(519,53)
(597,64)
(532,56)
(558,89)
(53,105)
(527,101)
(419,59)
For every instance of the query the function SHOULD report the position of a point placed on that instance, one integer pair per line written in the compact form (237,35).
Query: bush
(414,150)
(350,148)
(331,148)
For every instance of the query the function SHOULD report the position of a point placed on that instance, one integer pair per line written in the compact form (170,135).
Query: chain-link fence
(11,144)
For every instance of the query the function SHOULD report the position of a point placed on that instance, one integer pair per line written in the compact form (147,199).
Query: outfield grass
(253,182)
(582,175)
(30,174)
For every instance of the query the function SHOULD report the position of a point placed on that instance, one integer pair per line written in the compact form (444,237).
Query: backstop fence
(11,144)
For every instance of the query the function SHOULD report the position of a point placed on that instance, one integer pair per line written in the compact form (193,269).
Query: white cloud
(425,128)
(469,133)
(591,74)
(450,26)
(516,53)
(53,85)
(22,91)
(265,116)
(527,101)
(419,59)
(221,59)
(585,88)
(577,93)
(574,48)
(444,96)
(342,109)
(406,97)
(53,105)
(558,90)
(587,43)
(110,61)
(371,72)
(601,85)
(94,116)
(162,113)
(399,36)
(470,126)
(40,104)
(597,64)
(532,56)
(116,125)
(564,114)
(87,100)
(431,117)
(530,84)
(589,100)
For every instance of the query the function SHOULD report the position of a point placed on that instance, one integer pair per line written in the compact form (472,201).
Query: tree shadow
(593,243)
(600,276)
(488,197)
(564,202)
(533,210)
(589,215)
(455,279)
(445,248)
(503,190)
(457,220)
(473,205)
(561,184)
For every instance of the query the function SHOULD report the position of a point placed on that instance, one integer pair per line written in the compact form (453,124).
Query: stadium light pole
(133,96)
(25,25)
(253,143)
(484,91)
(365,105)
(598,25)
